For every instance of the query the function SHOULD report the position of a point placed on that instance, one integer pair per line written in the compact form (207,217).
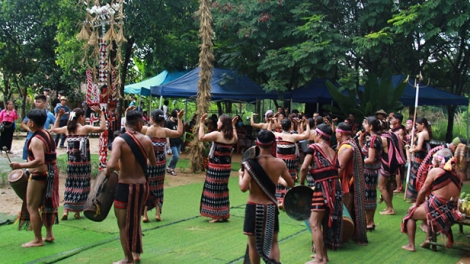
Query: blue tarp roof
(143,87)
(316,92)
(313,92)
(225,85)
(427,95)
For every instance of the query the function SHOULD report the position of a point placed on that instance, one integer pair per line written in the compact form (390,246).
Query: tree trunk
(450,122)
(204,87)
(125,65)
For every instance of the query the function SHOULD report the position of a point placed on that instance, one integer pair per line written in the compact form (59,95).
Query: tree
(441,43)
(280,44)
(27,57)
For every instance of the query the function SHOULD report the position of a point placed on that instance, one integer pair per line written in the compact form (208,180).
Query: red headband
(322,133)
(259,143)
(338,130)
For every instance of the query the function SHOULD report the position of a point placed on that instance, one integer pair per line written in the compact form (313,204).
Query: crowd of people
(346,164)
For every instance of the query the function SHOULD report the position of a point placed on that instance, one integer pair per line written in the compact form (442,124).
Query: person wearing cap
(381,114)
(267,116)
(63,120)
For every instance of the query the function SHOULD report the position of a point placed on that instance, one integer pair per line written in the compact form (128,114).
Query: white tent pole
(161,100)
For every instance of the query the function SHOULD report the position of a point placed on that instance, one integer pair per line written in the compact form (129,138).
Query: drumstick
(6,151)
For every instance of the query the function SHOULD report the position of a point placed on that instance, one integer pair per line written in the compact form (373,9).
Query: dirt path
(11,203)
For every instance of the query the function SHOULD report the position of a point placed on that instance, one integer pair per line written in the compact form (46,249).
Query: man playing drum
(43,187)
(260,176)
(440,209)
(132,188)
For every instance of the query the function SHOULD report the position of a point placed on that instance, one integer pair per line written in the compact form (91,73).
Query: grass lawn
(185,237)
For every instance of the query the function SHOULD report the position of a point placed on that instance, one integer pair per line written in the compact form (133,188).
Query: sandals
(64,217)
(77,215)
(171,171)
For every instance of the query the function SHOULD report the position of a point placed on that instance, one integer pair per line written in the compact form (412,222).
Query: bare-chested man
(440,209)
(133,186)
(267,116)
(44,181)
(260,176)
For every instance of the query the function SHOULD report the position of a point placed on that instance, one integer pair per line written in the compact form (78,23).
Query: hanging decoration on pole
(418,78)
(103,30)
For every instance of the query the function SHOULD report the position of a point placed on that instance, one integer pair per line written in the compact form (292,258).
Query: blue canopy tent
(316,92)
(313,92)
(143,87)
(427,95)
(225,85)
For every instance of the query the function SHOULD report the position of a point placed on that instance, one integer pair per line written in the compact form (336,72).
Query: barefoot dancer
(372,150)
(77,182)
(158,134)
(326,219)
(393,156)
(132,149)
(215,201)
(440,210)
(43,187)
(419,150)
(351,171)
(400,131)
(260,176)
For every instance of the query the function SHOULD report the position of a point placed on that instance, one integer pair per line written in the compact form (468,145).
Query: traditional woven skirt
(77,182)
(371,175)
(328,193)
(287,152)
(412,191)
(215,201)
(156,174)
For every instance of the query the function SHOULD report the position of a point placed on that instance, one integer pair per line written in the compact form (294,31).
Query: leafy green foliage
(377,94)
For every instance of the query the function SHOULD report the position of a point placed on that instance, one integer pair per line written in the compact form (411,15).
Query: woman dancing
(215,195)
(77,182)
(158,133)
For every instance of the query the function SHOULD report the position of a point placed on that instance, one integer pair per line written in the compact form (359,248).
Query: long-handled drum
(348,225)
(101,197)
(19,183)
(297,202)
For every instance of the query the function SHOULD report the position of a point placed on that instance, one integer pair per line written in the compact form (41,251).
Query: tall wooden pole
(416,85)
